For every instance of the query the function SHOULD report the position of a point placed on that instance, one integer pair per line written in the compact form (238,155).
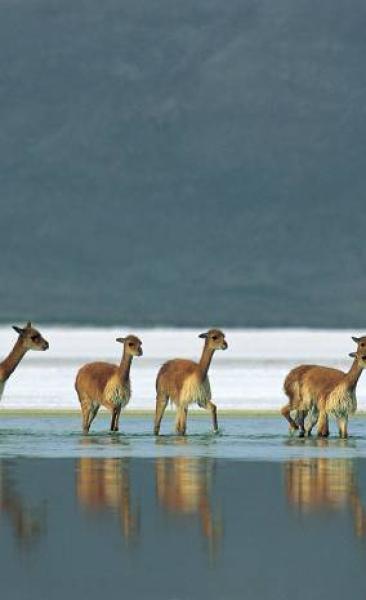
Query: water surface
(263,438)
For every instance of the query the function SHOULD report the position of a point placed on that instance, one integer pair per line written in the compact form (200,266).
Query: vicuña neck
(353,374)
(11,362)
(125,366)
(205,360)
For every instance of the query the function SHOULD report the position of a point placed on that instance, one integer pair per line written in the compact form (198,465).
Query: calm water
(249,513)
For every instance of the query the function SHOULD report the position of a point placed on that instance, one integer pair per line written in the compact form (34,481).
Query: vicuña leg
(86,413)
(212,407)
(116,422)
(181,420)
(85,406)
(311,419)
(285,411)
(342,426)
(92,414)
(322,425)
(301,422)
(161,402)
(115,417)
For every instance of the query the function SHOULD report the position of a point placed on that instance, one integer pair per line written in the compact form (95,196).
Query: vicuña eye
(130,344)
(34,338)
(214,337)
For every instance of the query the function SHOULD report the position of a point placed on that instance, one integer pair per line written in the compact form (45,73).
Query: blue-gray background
(183,163)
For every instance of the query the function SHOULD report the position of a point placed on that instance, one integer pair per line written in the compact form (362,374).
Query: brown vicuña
(28,339)
(185,382)
(322,391)
(103,384)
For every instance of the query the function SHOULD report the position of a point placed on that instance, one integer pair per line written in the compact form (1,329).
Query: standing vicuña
(323,391)
(185,382)
(29,339)
(101,383)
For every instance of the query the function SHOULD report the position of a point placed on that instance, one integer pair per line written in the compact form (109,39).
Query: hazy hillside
(186,163)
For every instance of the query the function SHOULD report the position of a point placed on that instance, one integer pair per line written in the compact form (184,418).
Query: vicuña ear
(352,354)
(203,335)
(121,340)
(356,339)
(29,325)
(18,329)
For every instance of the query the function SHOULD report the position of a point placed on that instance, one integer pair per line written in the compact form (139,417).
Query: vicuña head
(360,353)
(360,341)
(215,339)
(30,338)
(132,345)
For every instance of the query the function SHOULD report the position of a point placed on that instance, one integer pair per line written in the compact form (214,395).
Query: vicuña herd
(314,392)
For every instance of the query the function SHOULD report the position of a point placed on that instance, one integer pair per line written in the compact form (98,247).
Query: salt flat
(248,376)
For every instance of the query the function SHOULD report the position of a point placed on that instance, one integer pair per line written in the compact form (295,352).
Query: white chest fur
(116,393)
(194,390)
(342,402)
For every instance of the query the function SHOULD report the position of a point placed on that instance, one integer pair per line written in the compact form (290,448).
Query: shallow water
(248,513)
(263,438)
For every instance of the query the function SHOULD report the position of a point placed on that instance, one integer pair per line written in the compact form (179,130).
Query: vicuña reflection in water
(28,522)
(184,488)
(104,484)
(318,484)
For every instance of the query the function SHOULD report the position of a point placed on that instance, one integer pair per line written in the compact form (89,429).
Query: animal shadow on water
(104,485)
(184,490)
(104,439)
(316,485)
(189,441)
(28,522)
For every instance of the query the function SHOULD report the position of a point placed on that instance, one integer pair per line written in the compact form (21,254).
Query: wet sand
(182,525)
